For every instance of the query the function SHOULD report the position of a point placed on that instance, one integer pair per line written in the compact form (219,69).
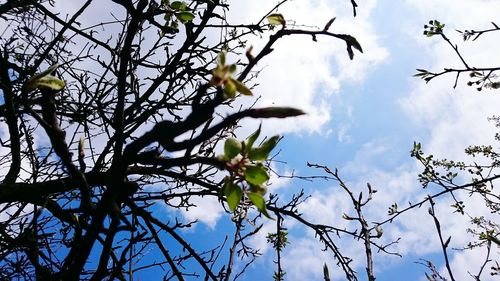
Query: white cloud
(467,263)
(343,134)
(207,210)
(304,261)
(307,74)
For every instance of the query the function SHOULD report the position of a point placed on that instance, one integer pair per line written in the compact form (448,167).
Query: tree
(452,177)
(106,120)
(106,125)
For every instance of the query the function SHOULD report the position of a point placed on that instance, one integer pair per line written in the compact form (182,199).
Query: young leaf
(379,231)
(232,68)
(219,75)
(447,242)
(81,145)
(354,42)
(231,148)
(185,16)
(261,153)
(178,5)
(276,19)
(248,54)
(493,239)
(256,175)
(233,195)
(251,139)
(260,189)
(328,24)
(221,58)
(350,52)
(240,87)
(47,81)
(421,72)
(230,89)
(326,274)
(259,202)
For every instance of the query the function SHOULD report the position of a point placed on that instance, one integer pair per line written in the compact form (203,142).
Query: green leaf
(261,153)
(46,82)
(430,33)
(251,139)
(233,195)
(185,16)
(232,147)
(178,5)
(44,79)
(167,17)
(174,26)
(259,202)
(230,89)
(256,175)
(232,68)
(240,87)
(417,146)
(221,58)
(276,19)
(260,189)
(51,82)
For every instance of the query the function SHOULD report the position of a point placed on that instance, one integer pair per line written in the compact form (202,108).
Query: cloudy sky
(364,115)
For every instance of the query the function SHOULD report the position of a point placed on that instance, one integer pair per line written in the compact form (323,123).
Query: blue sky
(363,117)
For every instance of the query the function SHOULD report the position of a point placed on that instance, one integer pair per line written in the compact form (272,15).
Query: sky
(362,118)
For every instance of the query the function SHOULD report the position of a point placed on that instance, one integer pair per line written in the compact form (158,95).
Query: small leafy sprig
(45,80)
(222,77)
(175,12)
(278,240)
(474,34)
(425,74)
(247,174)
(276,19)
(435,27)
(480,77)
